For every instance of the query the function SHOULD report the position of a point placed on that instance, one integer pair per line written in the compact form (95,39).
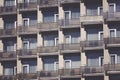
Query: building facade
(59,39)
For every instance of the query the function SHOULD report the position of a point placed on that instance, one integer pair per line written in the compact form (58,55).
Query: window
(56,41)
(56,64)
(67,39)
(100,10)
(112,32)
(26,1)
(67,64)
(25,22)
(100,37)
(113,58)
(9,25)
(25,69)
(25,44)
(56,16)
(10,2)
(10,46)
(101,61)
(67,15)
(112,7)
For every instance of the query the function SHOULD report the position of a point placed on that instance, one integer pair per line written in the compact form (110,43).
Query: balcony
(112,68)
(48,26)
(70,73)
(48,74)
(69,1)
(92,45)
(8,55)
(88,20)
(48,50)
(112,41)
(27,53)
(115,16)
(7,32)
(27,6)
(8,77)
(48,3)
(93,70)
(6,10)
(27,76)
(70,48)
(70,23)
(28,29)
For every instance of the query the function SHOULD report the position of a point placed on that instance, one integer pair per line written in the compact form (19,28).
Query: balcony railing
(91,19)
(70,72)
(115,16)
(48,49)
(93,69)
(28,6)
(8,54)
(70,23)
(7,32)
(69,1)
(48,73)
(8,10)
(92,44)
(28,29)
(8,77)
(27,76)
(112,67)
(112,40)
(27,52)
(48,3)
(70,47)
(48,26)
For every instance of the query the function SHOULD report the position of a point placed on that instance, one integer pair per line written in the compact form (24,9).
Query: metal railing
(25,52)
(48,26)
(48,73)
(71,72)
(8,77)
(93,69)
(8,54)
(112,40)
(48,49)
(69,1)
(112,67)
(7,9)
(4,32)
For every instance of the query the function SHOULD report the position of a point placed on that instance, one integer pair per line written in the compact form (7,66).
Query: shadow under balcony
(112,42)
(115,16)
(32,29)
(48,50)
(70,48)
(48,3)
(69,1)
(48,26)
(27,53)
(70,23)
(92,45)
(8,55)
(93,70)
(112,68)
(8,32)
(27,6)
(7,10)
(49,74)
(27,76)
(89,20)
(8,77)
(70,73)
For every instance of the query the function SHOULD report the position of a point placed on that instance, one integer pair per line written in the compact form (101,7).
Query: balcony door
(56,16)
(56,64)
(56,41)
(25,44)
(113,58)
(25,22)
(100,35)
(112,7)
(67,64)
(112,32)
(67,39)
(25,68)
(25,1)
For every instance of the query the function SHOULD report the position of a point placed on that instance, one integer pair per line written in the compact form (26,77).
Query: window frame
(56,39)
(115,58)
(25,2)
(100,7)
(55,17)
(113,5)
(100,58)
(70,39)
(99,33)
(70,14)
(69,62)
(27,23)
(114,31)
(26,66)
(28,44)
(55,65)
(15,70)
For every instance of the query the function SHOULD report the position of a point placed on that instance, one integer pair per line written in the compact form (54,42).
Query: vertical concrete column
(39,63)
(39,40)
(19,1)
(19,19)
(82,8)
(19,66)
(2,2)
(61,12)
(105,5)
(1,23)
(1,69)
(39,16)
(19,42)
(61,62)
(1,45)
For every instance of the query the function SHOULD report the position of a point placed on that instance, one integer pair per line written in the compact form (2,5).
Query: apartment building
(59,39)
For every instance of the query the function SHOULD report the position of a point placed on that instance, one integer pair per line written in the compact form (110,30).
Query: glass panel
(67,15)
(25,45)
(112,33)
(67,64)
(101,10)
(111,7)
(9,2)
(25,69)
(112,59)
(25,22)
(101,36)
